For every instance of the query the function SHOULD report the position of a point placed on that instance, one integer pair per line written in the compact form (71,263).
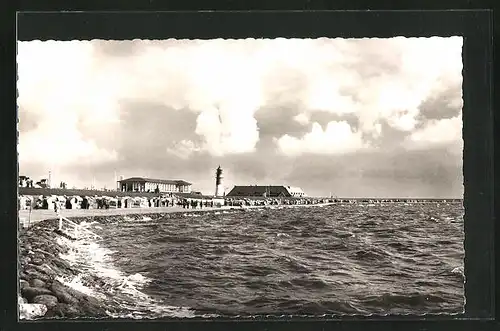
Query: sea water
(387,258)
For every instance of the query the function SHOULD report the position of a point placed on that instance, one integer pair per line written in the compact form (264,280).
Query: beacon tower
(219,188)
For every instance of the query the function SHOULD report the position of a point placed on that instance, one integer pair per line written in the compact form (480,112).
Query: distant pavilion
(141,184)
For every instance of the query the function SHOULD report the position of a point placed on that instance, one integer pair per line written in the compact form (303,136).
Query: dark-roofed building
(141,184)
(265,191)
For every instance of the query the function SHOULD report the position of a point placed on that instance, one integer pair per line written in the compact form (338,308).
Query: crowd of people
(241,202)
(105,202)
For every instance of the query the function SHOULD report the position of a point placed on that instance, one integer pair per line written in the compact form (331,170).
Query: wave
(339,260)
(406,300)
(89,257)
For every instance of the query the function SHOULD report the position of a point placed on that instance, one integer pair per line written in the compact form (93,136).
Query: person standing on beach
(57,207)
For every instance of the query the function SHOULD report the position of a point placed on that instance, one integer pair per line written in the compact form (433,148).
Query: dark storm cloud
(442,105)
(434,171)
(275,121)
(431,173)
(144,130)
(154,127)
(264,167)
(389,137)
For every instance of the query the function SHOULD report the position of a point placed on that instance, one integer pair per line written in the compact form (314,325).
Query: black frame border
(475,25)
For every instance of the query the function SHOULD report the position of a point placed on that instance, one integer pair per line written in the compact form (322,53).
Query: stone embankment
(43,293)
(40,270)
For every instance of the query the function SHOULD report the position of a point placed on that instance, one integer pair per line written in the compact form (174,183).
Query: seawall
(44,274)
(30,217)
(36,215)
(47,287)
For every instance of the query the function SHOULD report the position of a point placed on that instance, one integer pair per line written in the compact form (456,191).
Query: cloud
(447,131)
(338,137)
(180,107)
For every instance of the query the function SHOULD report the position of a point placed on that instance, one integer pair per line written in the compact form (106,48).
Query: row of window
(163,187)
(151,187)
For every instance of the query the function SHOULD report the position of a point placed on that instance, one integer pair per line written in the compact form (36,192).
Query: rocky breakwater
(41,279)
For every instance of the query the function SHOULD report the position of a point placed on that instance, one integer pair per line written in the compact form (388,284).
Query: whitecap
(92,258)
(77,284)
(458,270)
(282,235)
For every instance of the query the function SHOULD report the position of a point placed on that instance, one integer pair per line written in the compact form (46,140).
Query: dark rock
(46,299)
(45,269)
(46,236)
(47,250)
(66,310)
(37,261)
(91,301)
(90,279)
(31,292)
(37,283)
(61,264)
(32,273)
(92,310)
(51,312)
(62,293)
(23,276)
(74,293)
(23,284)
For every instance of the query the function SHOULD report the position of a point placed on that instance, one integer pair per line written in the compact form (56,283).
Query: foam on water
(190,215)
(78,284)
(92,258)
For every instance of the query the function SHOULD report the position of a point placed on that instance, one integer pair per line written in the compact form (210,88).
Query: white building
(141,184)
(295,191)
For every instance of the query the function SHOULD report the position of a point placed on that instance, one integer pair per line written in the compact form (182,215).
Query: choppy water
(390,258)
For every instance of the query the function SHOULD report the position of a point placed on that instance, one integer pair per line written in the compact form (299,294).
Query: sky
(347,117)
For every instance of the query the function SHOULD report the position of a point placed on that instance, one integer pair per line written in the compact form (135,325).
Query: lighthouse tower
(219,188)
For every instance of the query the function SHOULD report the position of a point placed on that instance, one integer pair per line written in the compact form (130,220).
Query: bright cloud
(444,131)
(338,137)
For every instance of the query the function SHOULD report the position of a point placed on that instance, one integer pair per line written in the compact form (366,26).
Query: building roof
(192,195)
(80,192)
(294,189)
(254,190)
(152,180)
